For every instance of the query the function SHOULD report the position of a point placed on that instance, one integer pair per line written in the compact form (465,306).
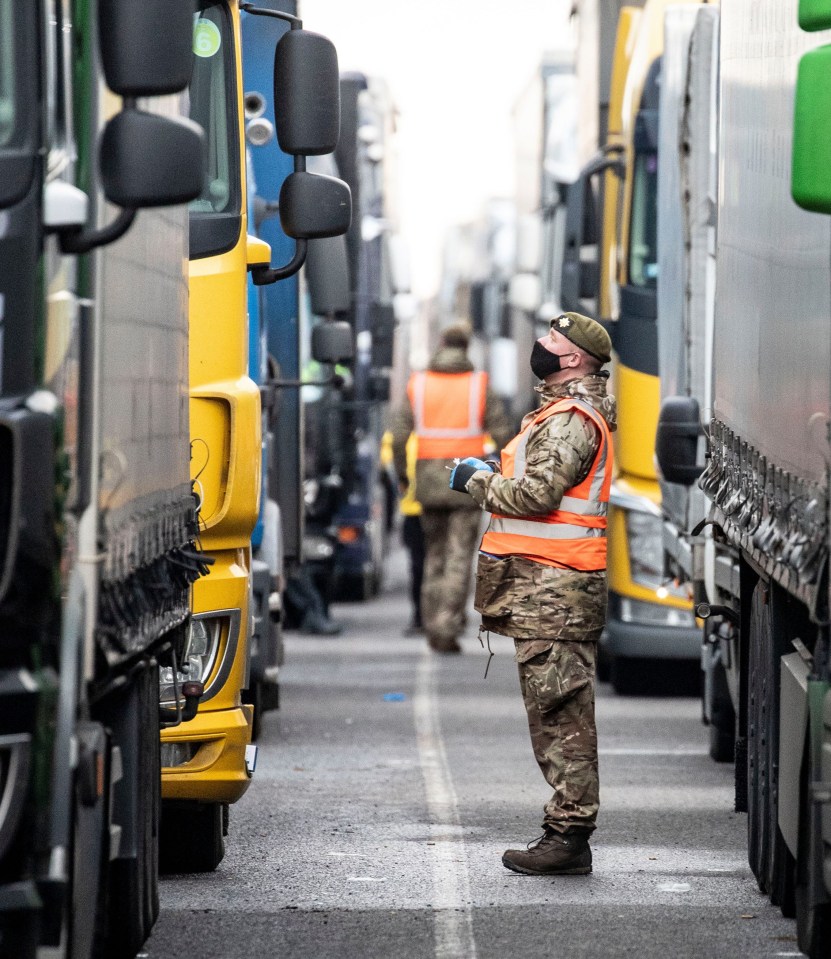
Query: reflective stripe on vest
(449,413)
(574,535)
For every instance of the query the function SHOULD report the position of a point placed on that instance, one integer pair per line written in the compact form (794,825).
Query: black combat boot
(553,854)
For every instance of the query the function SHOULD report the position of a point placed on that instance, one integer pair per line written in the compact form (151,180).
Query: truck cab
(208,766)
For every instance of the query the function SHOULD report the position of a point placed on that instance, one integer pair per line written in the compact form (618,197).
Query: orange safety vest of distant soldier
(541,575)
(451,410)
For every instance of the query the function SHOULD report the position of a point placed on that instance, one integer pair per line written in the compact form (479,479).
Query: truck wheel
(723,720)
(628,676)
(133,887)
(758,731)
(722,744)
(192,837)
(813,911)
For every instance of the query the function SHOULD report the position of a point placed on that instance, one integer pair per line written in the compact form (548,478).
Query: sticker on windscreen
(206,38)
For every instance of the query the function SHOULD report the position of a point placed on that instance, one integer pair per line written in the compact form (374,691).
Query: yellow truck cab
(649,618)
(207,764)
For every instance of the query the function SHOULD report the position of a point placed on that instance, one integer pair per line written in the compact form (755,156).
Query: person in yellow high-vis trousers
(412,535)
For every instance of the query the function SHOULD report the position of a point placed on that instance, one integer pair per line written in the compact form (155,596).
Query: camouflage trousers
(450,539)
(558,689)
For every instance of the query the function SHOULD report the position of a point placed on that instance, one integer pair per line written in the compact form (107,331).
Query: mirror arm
(603,161)
(262,275)
(82,241)
(335,380)
(296,22)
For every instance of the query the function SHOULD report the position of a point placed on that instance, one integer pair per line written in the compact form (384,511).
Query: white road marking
(452,928)
(680,751)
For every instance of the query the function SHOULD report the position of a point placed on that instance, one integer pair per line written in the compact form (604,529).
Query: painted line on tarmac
(452,925)
(646,751)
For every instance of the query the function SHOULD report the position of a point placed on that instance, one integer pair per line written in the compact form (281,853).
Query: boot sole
(575,871)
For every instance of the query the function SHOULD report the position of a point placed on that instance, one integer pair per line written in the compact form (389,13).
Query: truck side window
(215,215)
(643,237)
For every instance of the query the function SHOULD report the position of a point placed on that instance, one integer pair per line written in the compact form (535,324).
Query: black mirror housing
(379,387)
(313,206)
(148,160)
(306,94)
(676,442)
(327,276)
(147,46)
(333,342)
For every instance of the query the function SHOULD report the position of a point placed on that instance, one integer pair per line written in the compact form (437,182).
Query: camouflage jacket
(516,596)
(432,477)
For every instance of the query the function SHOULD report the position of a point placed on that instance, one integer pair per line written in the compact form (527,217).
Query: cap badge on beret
(564,322)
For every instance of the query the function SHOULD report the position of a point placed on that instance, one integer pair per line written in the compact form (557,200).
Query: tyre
(758,799)
(723,720)
(722,744)
(768,854)
(133,892)
(192,836)
(625,675)
(813,912)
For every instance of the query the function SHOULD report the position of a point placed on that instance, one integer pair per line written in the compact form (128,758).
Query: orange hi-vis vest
(573,536)
(449,413)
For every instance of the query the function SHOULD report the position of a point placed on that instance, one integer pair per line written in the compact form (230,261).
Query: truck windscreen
(215,215)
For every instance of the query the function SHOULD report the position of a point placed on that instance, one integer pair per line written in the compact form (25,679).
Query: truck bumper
(648,640)
(210,754)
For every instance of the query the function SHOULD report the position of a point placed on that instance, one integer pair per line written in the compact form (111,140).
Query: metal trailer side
(686,224)
(102,530)
(767,476)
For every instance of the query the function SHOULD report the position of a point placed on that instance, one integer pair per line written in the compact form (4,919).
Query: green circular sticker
(206,38)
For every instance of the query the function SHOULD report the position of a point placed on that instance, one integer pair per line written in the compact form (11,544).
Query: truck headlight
(636,611)
(199,658)
(646,548)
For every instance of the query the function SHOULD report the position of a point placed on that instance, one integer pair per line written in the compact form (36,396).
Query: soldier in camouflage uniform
(450,522)
(554,612)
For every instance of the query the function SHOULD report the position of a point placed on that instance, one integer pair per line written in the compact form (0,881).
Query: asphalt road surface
(390,782)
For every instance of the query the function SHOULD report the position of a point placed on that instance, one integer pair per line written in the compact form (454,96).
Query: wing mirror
(676,442)
(146,160)
(306,93)
(314,206)
(332,342)
(307,118)
(139,58)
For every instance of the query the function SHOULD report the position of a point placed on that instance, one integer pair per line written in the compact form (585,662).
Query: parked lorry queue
(701,226)
(128,429)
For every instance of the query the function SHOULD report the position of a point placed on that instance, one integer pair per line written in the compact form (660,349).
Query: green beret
(586,333)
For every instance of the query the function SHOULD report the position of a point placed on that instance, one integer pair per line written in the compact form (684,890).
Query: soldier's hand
(460,476)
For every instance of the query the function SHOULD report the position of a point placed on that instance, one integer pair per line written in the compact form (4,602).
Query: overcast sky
(455,69)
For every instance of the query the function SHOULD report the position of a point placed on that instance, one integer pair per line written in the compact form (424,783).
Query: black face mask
(544,362)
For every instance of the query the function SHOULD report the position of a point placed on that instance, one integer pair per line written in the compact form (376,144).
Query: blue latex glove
(461,473)
(478,464)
